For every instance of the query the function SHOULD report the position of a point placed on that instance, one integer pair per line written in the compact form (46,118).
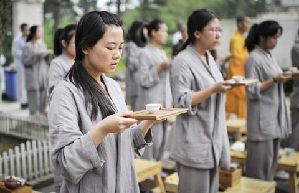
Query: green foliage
(6,29)
(172,11)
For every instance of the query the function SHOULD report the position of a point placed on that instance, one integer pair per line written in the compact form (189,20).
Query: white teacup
(152,108)
(293,69)
(238,78)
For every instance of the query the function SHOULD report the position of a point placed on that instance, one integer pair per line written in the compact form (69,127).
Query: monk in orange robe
(236,98)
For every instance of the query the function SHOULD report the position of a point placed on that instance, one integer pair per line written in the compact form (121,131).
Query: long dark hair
(32,33)
(197,21)
(268,28)
(91,28)
(65,34)
(136,35)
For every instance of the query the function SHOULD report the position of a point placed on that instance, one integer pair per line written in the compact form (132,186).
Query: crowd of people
(93,140)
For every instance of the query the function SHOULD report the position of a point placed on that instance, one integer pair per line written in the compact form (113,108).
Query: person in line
(93,141)
(236,98)
(293,140)
(200,143)
(34,57)
(153,78)
(64,49)
(267,116)
(136,41)
(17,49)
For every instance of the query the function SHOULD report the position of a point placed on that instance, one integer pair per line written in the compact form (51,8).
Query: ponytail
(252,38)
(57,41)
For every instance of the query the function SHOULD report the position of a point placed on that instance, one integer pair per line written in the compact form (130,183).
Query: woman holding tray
(153,79)
(267,120)
(93,145)
(200,142)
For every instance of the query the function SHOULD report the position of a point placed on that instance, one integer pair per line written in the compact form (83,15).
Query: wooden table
(246,185)
(288,163)
(146,169)
(237,127)
(249,185)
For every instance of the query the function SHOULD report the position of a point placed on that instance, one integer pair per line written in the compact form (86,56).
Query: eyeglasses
(215,30)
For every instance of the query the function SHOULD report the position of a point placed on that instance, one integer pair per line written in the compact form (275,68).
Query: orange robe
(236,98)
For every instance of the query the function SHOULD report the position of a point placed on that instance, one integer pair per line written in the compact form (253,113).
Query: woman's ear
(85,51)
(63,43)
(197,34)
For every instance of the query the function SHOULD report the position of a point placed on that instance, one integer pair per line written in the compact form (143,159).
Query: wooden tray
(293,73)
(23,189)
(244,82)
(159,115)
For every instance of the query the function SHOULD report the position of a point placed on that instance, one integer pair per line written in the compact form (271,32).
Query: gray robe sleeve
(148,76)
(252,72)
(73,152)
(56,73)
(29,57)
(181,86)
(140,142)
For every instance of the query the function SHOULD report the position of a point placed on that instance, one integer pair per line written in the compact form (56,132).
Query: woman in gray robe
(34,58)
(64,48)
(93,142)
(136,41)
(200,143)
(293,140)
(153,78)
(267,116)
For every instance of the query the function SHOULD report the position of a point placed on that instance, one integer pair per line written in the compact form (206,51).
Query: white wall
(31,12)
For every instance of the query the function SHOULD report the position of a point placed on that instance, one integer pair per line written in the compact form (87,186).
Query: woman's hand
(164,65)
(221,87)
(282,78)
(117,123)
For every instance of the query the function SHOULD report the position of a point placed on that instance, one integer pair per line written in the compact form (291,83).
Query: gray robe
(153,88)
(267,113)
(267,116)
(59,67)
(86,168)
(200,136)
(293,140)
(36,67)
(36,75)
(132,62)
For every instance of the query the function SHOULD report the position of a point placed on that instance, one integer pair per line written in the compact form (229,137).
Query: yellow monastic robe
(236,98)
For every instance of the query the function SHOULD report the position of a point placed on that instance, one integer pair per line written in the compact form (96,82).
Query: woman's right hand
(282,78)
(117,123)
(164,65)
(221,87)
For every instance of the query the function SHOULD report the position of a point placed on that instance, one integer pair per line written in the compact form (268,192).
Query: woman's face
(209,37)
(104,56)
(160,36)
(38,33)
(271,41)
(70,49)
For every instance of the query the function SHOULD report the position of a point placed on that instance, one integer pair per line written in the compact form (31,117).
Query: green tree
(6,29)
